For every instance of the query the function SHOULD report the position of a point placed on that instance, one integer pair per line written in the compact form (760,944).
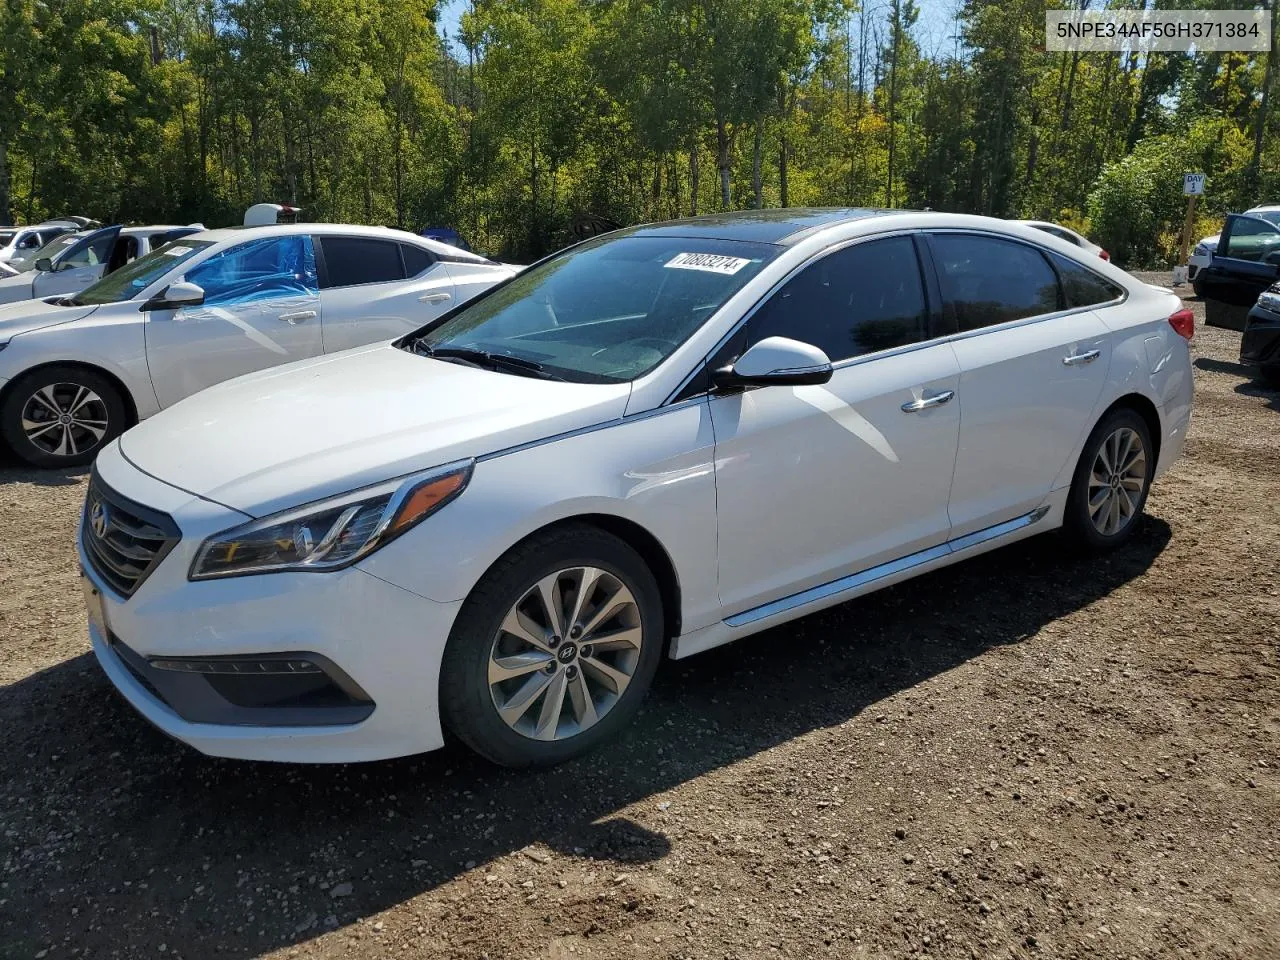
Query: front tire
(554,650)
(1111,482)
(61,416)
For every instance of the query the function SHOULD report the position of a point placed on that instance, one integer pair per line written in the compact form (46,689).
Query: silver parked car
(73,261)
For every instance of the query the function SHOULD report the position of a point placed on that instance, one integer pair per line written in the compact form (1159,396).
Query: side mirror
(776,361)
(175,296)
(44,265)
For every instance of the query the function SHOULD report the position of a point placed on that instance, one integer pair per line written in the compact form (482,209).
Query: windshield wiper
(482,358)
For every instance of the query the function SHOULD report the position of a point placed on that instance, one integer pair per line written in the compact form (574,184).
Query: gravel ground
(1026,755)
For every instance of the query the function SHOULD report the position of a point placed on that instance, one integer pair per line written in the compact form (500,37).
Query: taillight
(1184,322)
(1104,255)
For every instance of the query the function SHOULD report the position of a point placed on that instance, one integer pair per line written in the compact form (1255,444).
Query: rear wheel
(1111,482)
(61,416)
(554,649)
(1270,375)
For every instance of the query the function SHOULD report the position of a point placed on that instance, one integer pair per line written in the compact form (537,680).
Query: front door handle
(298,316)
(1079,359)
(924,403)
(434,298)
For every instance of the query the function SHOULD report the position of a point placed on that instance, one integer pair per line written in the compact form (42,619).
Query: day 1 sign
(1192,184)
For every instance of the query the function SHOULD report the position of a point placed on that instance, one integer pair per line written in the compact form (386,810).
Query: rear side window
(860,299)
(1081,287)
(416,260)
(986,280)
(351,261)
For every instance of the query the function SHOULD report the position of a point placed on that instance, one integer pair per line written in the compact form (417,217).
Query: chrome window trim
(910,347)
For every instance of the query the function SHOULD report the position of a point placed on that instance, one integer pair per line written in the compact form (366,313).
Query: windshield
(131,279)
(607,311)
(6,236)
(1271,216)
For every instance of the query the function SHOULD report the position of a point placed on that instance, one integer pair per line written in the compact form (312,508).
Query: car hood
(28,315)
(16,287)
(1211,241)
(293,434)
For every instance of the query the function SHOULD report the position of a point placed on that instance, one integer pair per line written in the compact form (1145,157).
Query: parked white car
(18,244)
(647,445)
(77,370)
(1070,236)
(1202,254)
(71,262)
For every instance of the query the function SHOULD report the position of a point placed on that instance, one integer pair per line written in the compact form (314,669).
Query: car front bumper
(1260,343)
(376,648)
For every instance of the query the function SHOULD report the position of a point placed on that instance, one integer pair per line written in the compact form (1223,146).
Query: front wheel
(554,649)
(61,416)
(1111,482)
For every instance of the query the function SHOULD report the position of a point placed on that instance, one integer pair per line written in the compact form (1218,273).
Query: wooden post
(1186,230)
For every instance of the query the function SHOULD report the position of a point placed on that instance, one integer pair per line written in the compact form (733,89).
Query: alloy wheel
(64,419)
(1116,481)
(565,653)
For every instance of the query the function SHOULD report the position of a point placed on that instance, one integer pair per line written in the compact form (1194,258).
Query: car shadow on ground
(14,471)
(120,840)
(1252,386)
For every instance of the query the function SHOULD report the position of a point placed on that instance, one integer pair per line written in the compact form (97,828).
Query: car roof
(221,234)
(781,226)
(161,228)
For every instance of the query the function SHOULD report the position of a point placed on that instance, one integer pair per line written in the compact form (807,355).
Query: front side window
(130,280)
(54,249)
(1081,287)
(857,300)
(986,280)
(605,311)
(1250,238)
(351,261)
(257,270)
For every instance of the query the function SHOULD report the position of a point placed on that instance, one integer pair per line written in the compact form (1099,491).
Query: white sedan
(650,444)
(71,262)
(77,370)
(1070,236)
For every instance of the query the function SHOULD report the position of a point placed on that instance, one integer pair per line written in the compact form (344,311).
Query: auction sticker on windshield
(177,251)
(711,262)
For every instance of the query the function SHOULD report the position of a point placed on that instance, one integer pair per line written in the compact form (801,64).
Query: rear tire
(61,416)
(1270,375)
(525,688)
(1110,486)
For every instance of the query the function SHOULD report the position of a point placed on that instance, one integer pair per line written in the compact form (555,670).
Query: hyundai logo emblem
(98,519)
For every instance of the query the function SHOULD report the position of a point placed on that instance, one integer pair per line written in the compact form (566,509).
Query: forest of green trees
(540,110)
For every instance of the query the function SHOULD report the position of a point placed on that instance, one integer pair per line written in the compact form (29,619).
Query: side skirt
(846,588)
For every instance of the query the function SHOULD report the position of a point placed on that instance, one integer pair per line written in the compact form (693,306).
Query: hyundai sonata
(648,445)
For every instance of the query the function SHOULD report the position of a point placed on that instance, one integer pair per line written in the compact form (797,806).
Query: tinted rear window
(416,260)
(987,280)
(356,260)
(1081,287)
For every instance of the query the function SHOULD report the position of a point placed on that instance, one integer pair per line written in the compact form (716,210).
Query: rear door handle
(298,316)
(1079,359)
(924,403)
(434,297)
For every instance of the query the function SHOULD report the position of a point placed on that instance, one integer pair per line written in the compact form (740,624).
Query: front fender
(656,471)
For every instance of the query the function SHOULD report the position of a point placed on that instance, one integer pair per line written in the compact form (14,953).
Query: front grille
(124,541)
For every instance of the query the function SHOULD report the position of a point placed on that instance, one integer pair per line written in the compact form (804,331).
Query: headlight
(330,534)
(1201,250)
(1270,301)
